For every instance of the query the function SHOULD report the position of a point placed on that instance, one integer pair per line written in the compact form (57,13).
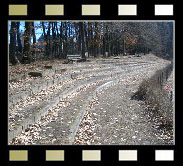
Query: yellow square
(18,155)
(17,10)
(54,155)
(91,155)
(127,10)
(90,10)
(54,10)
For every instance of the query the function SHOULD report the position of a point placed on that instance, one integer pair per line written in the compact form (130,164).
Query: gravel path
(112,117)
(122,121)
(116,119)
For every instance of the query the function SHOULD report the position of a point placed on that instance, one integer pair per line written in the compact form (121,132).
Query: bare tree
(82,40)
(27,43)
(12,48)
(62,38)
(18,37)
(34,41)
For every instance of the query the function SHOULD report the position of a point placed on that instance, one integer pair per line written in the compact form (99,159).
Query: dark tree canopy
(60,38)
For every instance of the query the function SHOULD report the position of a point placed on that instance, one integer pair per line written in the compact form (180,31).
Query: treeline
(61,38)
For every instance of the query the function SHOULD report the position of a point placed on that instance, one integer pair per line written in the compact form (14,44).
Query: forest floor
(96,108)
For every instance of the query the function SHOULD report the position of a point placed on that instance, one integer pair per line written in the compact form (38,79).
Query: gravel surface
(111,118)
(116,119)
(54,128)
(22,109)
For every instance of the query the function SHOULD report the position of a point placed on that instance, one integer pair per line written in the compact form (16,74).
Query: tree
(65,41)
(34,41)
(62,38)
(90,39)
(82,40)
(12,49)
(27,43)
(18,38)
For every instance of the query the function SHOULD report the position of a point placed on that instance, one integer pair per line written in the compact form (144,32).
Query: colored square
(54,155)
(127,10)
(163,10)
(127,155)
(57,10)
(90,10)
(164,155)
(91,155)
(17,10)
(18,155)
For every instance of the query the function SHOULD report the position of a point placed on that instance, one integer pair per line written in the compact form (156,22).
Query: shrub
(156,98)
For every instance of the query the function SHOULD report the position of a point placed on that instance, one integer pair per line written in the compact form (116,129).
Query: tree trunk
(53,40)
(79,40)
(86,37)
(45,41)
(61,42)
(104,45)
(49,48)
(95,40)
(27,43)
(65,42)
(19,51)
(124,51)
(82,40)
(89,39)
(18,38)
(12,43)
(34,42)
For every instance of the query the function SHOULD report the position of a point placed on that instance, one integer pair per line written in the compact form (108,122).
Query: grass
(156,98)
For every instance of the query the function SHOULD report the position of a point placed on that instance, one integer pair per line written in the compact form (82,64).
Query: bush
(156,98)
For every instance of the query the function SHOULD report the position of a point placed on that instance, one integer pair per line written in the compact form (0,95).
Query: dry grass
(156,98)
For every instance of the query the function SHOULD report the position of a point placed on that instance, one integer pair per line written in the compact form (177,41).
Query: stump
(48,67)
(35,74)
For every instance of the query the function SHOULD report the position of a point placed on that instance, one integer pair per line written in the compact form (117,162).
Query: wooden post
(171,95)
(124,53)
(162,76)
(160,81)
(166,74)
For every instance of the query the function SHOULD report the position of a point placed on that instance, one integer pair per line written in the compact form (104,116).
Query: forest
(122,92)
(31,41)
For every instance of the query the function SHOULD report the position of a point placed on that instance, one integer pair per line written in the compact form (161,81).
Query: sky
(38,31)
